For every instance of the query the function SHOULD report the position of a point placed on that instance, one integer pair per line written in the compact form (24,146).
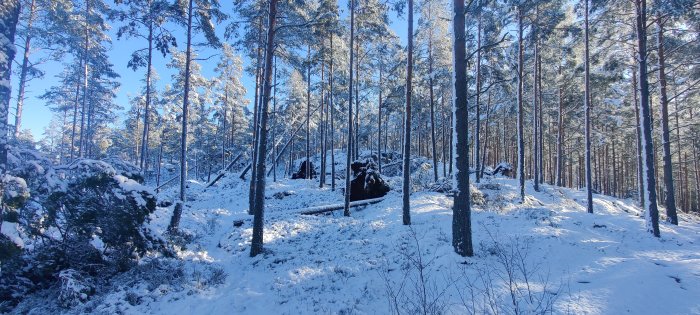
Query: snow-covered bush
(85,217)
(105,210)
(75,288)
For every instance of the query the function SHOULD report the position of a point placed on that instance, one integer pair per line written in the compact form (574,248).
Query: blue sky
(36,115)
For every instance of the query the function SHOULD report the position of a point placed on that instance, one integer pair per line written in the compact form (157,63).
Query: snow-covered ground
(572,262)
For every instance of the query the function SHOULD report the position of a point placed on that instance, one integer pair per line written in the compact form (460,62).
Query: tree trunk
(81,144)
(670,198)
(587,97)
(461,209)
(274,129)
(379,116)
(407,124)
(257,242)
(9,16)
(651,212)
(75,115)
(146,116)
(521,140)
(432,106)
(560,136)
(535,141)
(177,214)
(346,208)
(331,110)
(308,113)
(256,107)
(477,126)
(322,175)
(24,70)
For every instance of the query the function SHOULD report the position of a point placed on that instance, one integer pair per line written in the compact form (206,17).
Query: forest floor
(545,254)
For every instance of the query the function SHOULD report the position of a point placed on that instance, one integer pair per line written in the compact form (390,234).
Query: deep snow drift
(545,254)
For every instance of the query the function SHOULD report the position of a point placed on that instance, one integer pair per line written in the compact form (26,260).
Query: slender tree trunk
(461,209)
(540,146)
(480,168)
(83,134)
(346,208)
(640,163)
(379,115)
(432,102)
(356,143)
(257,242)
(670,198)
(274,125)
(25,69)
(683,181)
(146,116)
(75,114)
(308,113)
(444,139)
(256,107)
(560,135)
(177,214)
(535,141)
(9,16)
(587,96)
(521,140)
(331,105)
(477,126)
(407,124)
(651,212)
(322,178)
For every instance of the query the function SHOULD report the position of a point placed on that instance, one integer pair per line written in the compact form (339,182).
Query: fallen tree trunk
(172,179)
(223,172)
(329,208)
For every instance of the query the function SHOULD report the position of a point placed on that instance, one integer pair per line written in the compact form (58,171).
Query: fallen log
(223,172)
(170,180)
(329,208)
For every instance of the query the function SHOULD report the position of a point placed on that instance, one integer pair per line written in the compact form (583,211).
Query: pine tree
(205,10)
(407,124)
(461,216)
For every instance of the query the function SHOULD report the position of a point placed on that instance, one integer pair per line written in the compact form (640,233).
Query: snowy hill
(558,257)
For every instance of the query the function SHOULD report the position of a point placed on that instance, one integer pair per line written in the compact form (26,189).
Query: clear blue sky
(36,115)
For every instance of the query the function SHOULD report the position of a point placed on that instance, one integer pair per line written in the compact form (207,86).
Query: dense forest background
(596,95)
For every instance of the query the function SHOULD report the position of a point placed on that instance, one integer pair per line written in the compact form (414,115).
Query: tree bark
(560,135)
(331,110)
(461,209)
(308,113)
(177,214)
(407,124)
(651,212)
(9,16)
(346,209)
(257,241)
(587,97)
(670,195)
(535,139)
(256,110)
(24,70)
(432,105)
(146,116)
(521,140)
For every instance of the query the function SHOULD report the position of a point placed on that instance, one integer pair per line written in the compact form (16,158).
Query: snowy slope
(604,263)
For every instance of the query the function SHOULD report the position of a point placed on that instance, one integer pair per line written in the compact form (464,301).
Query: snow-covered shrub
(105,210)
(126,169)
(75,288)
(445,186)
(84,217)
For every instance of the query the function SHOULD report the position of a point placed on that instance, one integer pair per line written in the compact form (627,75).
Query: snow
(601,263)
(11,230)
